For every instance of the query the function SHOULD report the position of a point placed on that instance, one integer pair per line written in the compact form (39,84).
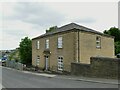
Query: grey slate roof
(71,26)
(76,26)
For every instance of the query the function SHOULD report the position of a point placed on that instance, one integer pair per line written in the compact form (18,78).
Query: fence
(15,65)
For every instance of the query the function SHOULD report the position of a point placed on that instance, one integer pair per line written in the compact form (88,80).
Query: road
(17,79)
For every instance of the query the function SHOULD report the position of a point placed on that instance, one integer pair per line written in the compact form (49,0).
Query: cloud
(37,13)
(85,20)
(20,19)
(18,29)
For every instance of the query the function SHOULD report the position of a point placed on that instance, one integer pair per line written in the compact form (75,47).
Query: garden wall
(101,67)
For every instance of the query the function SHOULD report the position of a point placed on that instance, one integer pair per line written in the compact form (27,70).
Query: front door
(46,62)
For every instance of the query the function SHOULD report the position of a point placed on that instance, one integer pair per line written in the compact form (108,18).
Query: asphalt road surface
(17,79)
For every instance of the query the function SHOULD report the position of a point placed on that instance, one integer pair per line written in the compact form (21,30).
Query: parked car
(118,55)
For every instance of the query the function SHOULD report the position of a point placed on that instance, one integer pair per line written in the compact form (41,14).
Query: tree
(51,29)
(25,51)
(117,47)
(113,31)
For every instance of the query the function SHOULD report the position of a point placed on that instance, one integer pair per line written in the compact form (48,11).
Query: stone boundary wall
(80,69)
(13,64)
(101,67)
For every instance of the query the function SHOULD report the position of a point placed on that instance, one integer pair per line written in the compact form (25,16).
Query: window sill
(98,47)
(59,48)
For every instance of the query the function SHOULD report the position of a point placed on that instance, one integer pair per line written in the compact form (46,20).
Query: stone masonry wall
(101,67)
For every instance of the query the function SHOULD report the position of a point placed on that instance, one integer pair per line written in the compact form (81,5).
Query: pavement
(88,79)
(0,86)
(72,77)
(0,77)
(40,74)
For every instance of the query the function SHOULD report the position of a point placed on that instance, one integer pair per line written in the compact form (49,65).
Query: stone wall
(101,67)
(80,69)
(13,64)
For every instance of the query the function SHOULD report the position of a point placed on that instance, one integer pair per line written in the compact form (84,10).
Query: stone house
(70,43)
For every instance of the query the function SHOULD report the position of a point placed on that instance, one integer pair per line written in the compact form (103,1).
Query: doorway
(46,62)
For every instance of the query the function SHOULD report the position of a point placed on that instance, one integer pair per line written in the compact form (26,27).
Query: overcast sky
(20,19)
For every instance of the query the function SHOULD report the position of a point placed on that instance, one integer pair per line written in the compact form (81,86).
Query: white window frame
(60,42)
(38,60)
(47,43)
(98,42)
(38,44)
(60,63)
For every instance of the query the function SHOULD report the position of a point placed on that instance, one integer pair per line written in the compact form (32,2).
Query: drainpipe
(78,47)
